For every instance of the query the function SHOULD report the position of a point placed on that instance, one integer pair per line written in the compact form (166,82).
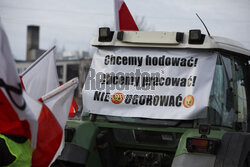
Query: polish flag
(38,80)
(16,118)
(21,115)
(41,76)
(51,123)
(123,18)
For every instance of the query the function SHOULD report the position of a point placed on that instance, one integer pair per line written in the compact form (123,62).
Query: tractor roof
(192,40)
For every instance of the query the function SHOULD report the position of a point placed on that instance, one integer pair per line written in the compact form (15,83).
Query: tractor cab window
(241,84)
(221,110)
(224,109)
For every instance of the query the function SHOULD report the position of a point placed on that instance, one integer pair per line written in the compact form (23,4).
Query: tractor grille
(165,139)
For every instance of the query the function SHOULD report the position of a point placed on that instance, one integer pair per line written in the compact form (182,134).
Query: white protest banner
(149,83)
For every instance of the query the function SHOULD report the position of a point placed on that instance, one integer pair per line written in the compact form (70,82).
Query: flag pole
(116,10)
(37,61)
(59,89)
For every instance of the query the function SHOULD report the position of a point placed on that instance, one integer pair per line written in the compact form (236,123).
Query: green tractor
(184,104)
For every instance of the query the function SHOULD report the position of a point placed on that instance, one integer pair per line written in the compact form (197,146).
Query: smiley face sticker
(117,98)
(188,101)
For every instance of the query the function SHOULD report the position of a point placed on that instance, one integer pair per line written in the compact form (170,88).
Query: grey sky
(72,23)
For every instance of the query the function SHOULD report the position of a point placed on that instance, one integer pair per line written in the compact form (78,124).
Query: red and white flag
(41,76)
(15,116)
(39,80)
(51,123)
(123,18)
(21,115)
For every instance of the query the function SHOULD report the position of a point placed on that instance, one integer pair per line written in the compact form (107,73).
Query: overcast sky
(72,23)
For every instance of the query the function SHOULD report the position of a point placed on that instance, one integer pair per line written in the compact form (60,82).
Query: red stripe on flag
(74,104)
(72,112)
(126,21)
(73,109)
(48,139)
(21,80)
(9,120)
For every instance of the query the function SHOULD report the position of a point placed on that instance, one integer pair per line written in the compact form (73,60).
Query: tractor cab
(162,99)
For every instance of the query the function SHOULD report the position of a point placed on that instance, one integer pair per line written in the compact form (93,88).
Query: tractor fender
(234,150)
(194,160)
(74,154)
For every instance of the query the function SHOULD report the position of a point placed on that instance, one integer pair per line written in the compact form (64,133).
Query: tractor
(162,99)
